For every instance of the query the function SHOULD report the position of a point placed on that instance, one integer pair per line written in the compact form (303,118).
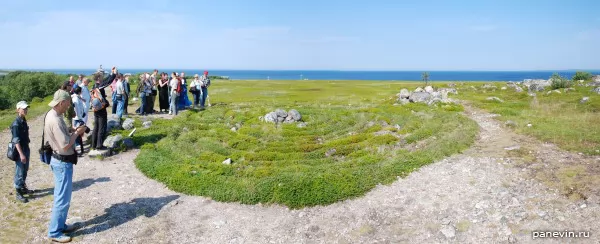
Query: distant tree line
(24,85)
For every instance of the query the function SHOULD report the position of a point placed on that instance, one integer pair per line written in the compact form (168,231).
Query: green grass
(288,165)
(555,118)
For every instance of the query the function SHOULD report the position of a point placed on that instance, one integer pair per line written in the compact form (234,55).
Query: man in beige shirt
(62,141)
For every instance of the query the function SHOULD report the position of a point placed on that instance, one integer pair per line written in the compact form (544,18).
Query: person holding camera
(80,114)
(20,136)
(64,157)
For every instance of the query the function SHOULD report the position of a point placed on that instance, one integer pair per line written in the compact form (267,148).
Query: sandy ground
(479,196)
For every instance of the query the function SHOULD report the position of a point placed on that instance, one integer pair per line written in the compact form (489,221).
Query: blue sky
(302,35)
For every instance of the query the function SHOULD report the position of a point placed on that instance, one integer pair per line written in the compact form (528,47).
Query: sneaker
(25,190)
(21,198)
(61,239)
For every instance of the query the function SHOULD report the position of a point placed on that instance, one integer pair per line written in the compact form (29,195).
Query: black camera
(80,123)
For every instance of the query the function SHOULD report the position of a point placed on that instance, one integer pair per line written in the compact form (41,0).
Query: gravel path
(479,196)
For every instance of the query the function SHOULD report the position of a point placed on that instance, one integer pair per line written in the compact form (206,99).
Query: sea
(348,75)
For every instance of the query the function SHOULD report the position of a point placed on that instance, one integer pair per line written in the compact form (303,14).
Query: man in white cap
(20,136)
(62,141)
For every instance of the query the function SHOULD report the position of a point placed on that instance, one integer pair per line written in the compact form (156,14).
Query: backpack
(178,89)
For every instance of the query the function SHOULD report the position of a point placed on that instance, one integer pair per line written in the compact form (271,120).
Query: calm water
(349,75)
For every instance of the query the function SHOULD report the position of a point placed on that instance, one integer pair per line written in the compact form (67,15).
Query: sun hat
(22,104)
(59,96)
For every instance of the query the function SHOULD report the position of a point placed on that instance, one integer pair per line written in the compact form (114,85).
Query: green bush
(560,82)
(581,75)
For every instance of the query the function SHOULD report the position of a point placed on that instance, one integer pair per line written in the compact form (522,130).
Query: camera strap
(44,129)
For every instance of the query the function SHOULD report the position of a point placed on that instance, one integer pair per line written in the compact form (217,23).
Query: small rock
(295,115)
(301,125)
(429,89)
(112,141)
(494,99)
(398,127)
(271,117)
(583,205)
(542,214)
(503,88)
(510,123)
(128,124)
(404,93)
(330,152)
(134,99)
(227,161)
(281,113)
(147,124)
(99,153)
(584,100)
(233,129)
(515,147)
(529,125)
(448,231)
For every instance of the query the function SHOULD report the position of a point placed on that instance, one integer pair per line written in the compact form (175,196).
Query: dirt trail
(479,196)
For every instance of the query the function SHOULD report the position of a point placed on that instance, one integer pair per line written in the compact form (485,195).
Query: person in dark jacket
(99,105)
(20,136)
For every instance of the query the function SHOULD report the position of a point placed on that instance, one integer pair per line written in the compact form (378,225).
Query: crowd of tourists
(66,122)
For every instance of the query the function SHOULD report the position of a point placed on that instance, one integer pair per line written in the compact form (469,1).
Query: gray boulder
(596,90)
(280,119)
(128,124)
(147,124)
(113,123)
(518,89)
(429,89)
(404,93)
(536,88)
(404,101)
(128,142)
(422,97)
(113,141)
(271,117)
(295,115)
(99,153)
(281,113)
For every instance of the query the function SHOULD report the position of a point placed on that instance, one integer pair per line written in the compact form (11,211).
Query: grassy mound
(354,139)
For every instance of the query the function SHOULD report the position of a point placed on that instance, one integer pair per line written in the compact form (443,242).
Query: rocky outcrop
(536,85)
(281,116)
(428,96)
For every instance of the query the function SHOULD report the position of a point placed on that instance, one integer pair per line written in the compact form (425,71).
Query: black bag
(45,150)
(119,97)
(12,152)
